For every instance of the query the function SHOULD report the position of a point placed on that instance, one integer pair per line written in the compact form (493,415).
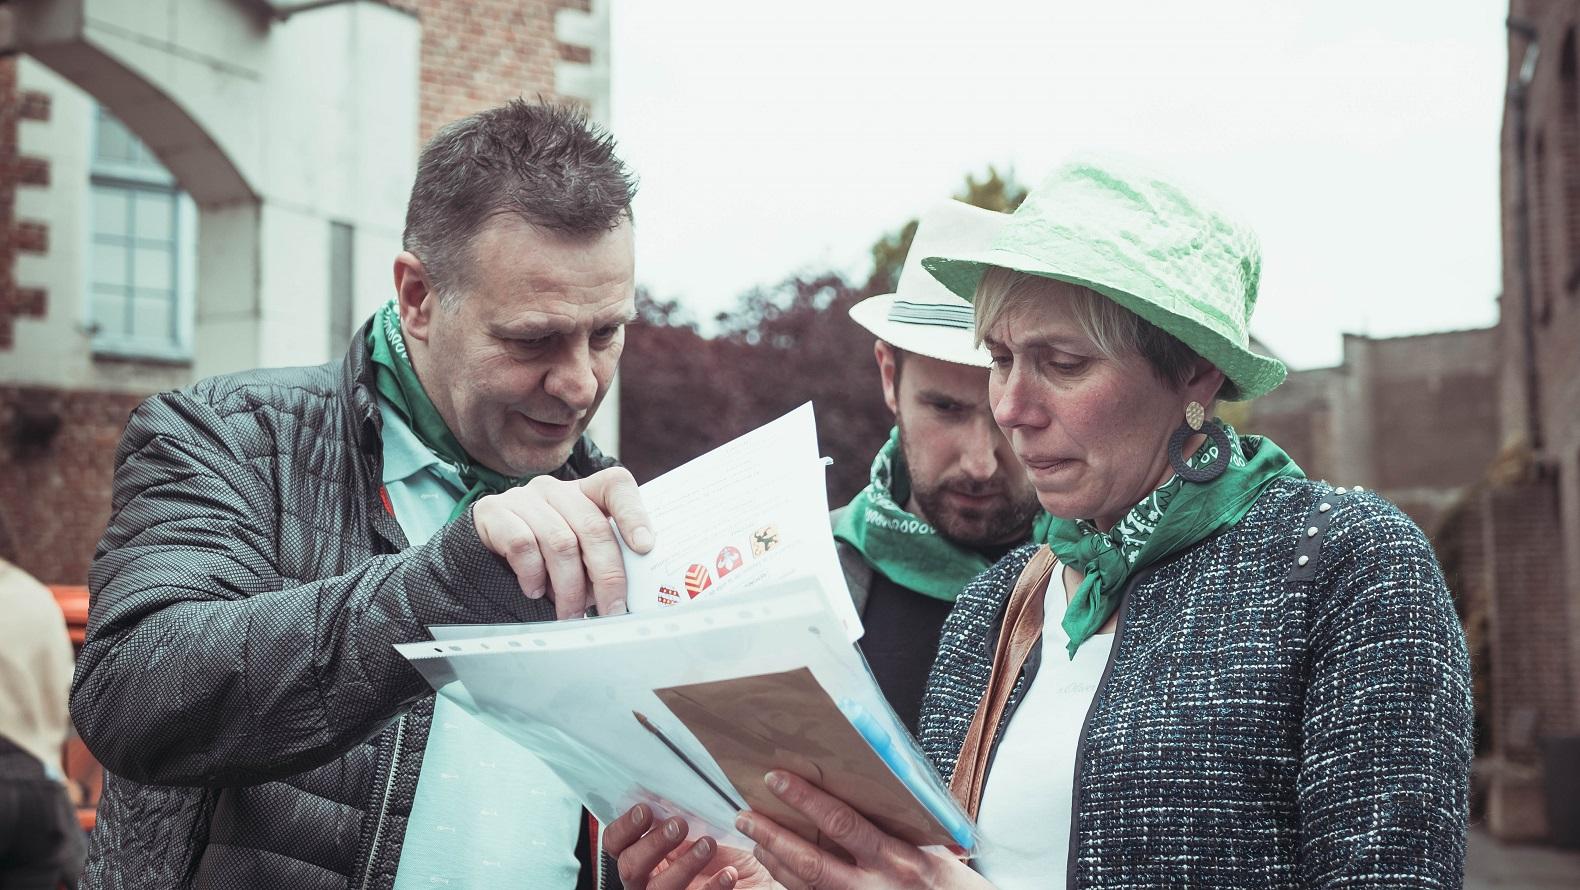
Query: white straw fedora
(923,316)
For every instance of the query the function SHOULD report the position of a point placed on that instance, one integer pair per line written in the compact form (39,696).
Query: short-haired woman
(1214,672)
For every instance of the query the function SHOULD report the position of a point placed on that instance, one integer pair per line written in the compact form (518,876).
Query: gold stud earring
(1195,415)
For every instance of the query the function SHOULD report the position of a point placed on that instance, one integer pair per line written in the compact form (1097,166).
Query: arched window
(141,237)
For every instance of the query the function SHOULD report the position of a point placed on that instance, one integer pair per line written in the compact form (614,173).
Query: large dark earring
(1196,422)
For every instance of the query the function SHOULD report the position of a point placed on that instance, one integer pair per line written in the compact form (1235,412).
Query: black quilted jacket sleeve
(205,663)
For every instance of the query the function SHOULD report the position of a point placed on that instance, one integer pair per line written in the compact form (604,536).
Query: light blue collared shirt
(487,812)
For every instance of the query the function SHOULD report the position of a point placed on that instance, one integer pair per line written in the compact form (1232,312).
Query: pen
(648,725)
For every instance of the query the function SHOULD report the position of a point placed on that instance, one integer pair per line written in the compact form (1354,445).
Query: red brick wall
(1434,432)
(1296,416)
(57,453)
(1498,549)
(1467,568)
(18,235)
(1532,693)
(1552,155)
(1551,267)
(1414,417)
(479,53)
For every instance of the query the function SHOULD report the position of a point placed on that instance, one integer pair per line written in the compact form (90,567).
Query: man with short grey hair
(274,533)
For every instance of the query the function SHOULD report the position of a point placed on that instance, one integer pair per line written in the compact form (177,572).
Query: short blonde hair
(1117,332)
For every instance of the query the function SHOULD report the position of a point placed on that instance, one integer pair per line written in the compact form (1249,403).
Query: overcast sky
(1359,138)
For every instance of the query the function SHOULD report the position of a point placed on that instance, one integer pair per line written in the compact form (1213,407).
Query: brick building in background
(247,226)
(1528,511)
(1476,434)
(1378,419)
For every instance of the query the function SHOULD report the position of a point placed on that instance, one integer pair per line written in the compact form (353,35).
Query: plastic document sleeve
(686,709)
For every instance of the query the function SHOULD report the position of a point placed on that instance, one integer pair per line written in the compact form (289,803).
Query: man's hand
(557,539)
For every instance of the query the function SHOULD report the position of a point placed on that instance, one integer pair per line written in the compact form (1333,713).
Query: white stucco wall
(278,129)
(56,350)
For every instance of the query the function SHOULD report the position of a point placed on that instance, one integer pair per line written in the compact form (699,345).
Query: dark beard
(1007,521)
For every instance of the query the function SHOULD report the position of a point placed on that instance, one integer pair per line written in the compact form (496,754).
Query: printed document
(737,657)
(749,513)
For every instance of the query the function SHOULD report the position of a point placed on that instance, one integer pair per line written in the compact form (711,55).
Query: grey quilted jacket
(238,680)
(1265,721)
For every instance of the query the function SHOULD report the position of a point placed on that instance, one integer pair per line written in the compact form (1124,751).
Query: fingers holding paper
(879,859)
(655,855)
(556,537)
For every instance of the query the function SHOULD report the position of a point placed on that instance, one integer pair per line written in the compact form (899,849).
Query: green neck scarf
(905,548)
(1174,517)
(397,382)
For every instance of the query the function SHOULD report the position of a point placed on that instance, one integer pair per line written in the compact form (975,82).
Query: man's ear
(414,297)
(889,370)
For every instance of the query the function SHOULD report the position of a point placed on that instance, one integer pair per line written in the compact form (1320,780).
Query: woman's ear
(1204,384)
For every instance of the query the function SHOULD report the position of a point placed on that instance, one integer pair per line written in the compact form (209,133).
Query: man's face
(965,480)
(519,358)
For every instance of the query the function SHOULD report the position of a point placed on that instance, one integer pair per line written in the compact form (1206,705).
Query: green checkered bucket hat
(1148,246)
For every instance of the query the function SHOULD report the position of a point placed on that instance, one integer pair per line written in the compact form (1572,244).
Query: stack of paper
(736,659)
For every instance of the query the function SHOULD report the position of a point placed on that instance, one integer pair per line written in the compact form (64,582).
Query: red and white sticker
(729,560)
(697,579)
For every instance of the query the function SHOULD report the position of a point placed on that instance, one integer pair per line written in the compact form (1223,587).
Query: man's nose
(573,379)
(979,458)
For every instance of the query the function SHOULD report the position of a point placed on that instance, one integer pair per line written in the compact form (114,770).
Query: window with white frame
(141,228)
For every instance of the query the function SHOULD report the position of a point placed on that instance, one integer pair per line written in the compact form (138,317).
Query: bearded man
(947,497)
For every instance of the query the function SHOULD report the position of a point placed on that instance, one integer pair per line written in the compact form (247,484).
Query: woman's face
(1091,431)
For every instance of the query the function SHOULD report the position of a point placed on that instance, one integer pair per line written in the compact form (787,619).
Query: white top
(1025,812)
(486,813)
(35,668)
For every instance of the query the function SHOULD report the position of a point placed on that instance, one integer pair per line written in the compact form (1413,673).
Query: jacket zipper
(597,853)
(384,802)
(1086,724)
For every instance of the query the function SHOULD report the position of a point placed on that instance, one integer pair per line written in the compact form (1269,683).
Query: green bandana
(906,549)
(1170,519)
(397,382)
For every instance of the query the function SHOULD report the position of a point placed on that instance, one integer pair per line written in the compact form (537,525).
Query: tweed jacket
(1264,720)
(238,681)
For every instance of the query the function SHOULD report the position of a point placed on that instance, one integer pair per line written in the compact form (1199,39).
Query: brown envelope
(787,721)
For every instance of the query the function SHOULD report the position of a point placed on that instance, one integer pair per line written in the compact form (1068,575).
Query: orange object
(80,766)
(73,602)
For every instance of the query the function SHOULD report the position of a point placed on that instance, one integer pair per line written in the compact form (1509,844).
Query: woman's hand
(658,857)
(881,860)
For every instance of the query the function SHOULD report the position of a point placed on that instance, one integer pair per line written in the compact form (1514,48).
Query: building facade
(1378,419)
(1535,615)
(190,188)
(1477,435)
